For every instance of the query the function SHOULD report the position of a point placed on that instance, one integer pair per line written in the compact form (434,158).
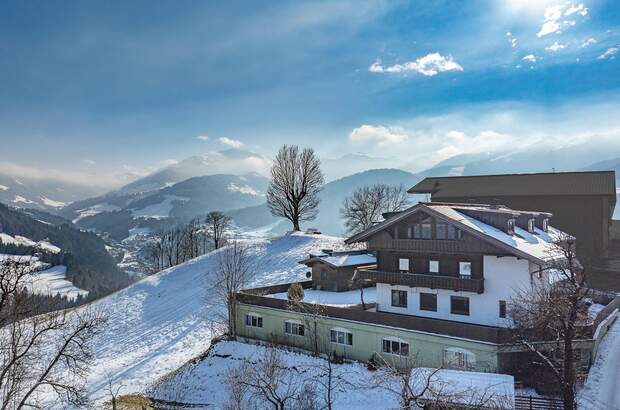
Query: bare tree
(296,180)
(233,273)
(40,351)
(546,318)
(268,380)
(365,206)
(217,223)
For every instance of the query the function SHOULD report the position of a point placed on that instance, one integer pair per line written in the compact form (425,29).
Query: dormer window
(545,225)
(510,226)
(530,225)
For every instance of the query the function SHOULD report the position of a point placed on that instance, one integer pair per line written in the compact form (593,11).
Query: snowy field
(160,322)
(348,298)
(602,387)
(205,382)
(52,281)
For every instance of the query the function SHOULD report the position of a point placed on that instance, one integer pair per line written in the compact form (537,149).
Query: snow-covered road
(602,388)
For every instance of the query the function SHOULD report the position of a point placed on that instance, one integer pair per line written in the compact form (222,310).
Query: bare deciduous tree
(233,273)
(364,207)
(40,351)
(296,180)
(547,317)
(217,223)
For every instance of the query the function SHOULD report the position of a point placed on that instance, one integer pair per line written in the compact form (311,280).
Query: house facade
(432,289)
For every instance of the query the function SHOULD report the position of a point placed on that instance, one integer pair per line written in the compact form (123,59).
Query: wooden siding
(423,280)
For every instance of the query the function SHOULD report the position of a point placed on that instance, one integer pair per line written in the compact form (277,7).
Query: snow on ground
(20,199)
(160,210)
(3,188)
(94,210)
(160,322)
(348,298)
(17,240)
(52,203)
(203,382)
(53,281)
(602,387)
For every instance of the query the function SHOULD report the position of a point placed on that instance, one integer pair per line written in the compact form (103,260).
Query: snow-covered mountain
(159,323)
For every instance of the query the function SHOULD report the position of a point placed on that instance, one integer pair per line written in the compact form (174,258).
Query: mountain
(157,324)
(42,194)
(609,165)
(349,164)
(89,265)
(119,212)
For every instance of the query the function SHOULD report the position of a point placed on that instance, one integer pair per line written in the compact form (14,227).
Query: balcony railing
(423,280)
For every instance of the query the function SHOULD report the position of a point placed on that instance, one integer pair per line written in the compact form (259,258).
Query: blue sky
(116,88)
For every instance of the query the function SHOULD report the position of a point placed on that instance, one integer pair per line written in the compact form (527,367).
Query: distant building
(582,203)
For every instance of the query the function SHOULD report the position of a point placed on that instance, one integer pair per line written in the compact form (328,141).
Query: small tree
(295,293)
(232,274)
(217,225)
(364,207)
(296,180)
(546,317)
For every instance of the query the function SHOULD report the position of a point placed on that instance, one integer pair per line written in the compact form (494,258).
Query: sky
(103,92)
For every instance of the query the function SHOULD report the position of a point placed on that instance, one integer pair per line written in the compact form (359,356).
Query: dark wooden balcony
(423,280)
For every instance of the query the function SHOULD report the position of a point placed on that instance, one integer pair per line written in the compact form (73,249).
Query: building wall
(328,278)
(419,262)
(424,349)
(503,277)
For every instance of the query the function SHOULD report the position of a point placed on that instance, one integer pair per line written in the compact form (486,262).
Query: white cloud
(203,137)
(553,14)
(588,42)
(530,58)
(88,162)
(609,53)
(230,142)
(511,39)
(555,47)
(378,133)
(168,162)
(429,65)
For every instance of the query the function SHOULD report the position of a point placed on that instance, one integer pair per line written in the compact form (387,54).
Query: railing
(423,280)
(537,403)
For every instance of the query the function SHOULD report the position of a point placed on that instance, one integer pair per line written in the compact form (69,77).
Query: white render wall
(503,276)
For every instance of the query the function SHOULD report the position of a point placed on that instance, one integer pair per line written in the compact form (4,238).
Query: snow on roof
(486,390)
(539,244)
(349,260)
(324,297)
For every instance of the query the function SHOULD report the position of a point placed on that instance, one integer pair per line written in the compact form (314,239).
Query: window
(441,231)
(510,226)
(502,308)
(457,358)
(545,225)
(409,232)
(253,320)
(403,264)
(399,298)
(465,269)
(433,266)
(395,346)
(452,234)
(531,225)
(459,305)
(416,231)
(341,337)
(323,274)
(428,301)
(426,231)
(293,328)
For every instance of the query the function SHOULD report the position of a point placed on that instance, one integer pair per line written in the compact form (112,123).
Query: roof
(535,246)
(342,259)
(537,184)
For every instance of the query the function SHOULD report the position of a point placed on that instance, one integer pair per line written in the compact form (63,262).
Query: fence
(537,403)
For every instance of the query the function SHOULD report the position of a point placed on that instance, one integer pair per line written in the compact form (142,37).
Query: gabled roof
(536,184)
(532,246)
(342,259)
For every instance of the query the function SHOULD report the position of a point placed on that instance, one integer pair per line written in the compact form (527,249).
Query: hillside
(89,265)
(160,322)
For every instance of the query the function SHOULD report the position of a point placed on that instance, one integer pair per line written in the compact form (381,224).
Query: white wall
(503,277)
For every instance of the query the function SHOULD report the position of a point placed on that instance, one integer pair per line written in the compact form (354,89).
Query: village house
(432,288)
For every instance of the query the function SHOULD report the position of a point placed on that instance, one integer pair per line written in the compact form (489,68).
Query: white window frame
(431,263)
(545,224)
(249,317)
(294,325)
(463,271)
(403,264)
(510,226)
(392,341)
(531,225)
(457,358)
(338,332)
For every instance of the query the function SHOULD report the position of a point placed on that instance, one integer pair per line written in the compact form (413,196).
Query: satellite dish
(308,274)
